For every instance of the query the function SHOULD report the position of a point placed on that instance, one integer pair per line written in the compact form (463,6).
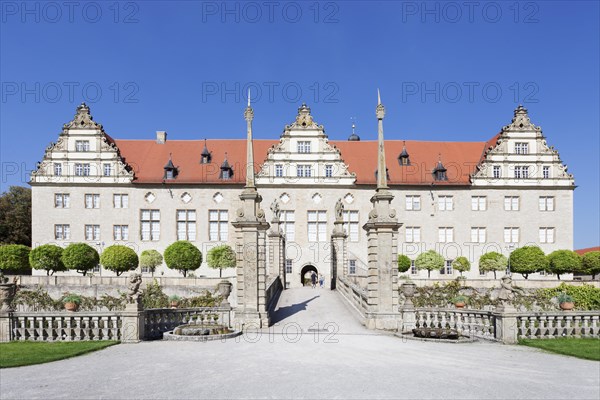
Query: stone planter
(566,306)
(7,294)
(70,306)
(460,304)
(224,291)
(408,290)
(174,303)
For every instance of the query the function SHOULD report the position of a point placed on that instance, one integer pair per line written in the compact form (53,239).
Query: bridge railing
(356,296)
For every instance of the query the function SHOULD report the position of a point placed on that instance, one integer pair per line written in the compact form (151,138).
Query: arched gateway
(306,272)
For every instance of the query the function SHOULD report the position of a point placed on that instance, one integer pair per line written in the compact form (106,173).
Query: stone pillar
(276,247)
(133,319)
(506,329)
(7,294)
(339,256)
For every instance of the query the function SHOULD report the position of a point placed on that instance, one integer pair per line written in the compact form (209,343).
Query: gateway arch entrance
(305,274)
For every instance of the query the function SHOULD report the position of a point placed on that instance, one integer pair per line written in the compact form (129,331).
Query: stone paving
(284,363)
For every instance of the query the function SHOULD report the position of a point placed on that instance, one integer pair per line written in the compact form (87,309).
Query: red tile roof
(587,250)
(147,158)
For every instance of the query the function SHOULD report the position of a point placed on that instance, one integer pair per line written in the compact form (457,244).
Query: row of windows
(478,234)
(478,203)
(84,169)
(91,200)
(303,170)
(520,172)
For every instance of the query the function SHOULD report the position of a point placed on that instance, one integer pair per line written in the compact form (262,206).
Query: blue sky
(446,70)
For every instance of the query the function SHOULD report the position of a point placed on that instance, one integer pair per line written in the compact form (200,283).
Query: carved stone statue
(339,210)
(275,209)
(133,285)
(507,292)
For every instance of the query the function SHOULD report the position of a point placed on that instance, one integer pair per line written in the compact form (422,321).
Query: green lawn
(17,354)
(588,349)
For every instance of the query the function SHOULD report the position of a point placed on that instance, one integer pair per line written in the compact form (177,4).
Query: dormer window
(205,156)
(403,158)
(226,170)
(522,148)
(439,172)
(303,146)
(82,145)
(170,170)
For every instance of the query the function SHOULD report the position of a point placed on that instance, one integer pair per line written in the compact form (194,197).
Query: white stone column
(339,256)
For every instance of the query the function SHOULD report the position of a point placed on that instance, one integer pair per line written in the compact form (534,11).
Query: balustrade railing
(160,320)
(65,326)
(579,324)
(471,323)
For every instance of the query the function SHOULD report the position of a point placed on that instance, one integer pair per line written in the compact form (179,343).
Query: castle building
(458,198)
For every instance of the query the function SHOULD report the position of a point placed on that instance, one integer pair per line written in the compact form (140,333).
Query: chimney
(161,137)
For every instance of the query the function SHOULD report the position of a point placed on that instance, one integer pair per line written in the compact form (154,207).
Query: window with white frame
(351,267)
(478,203)
(511,235)
(82,169)
(445,203)
(218,225)
(107,168)
(412,234)
(445,235)
(521,172)
(303,171)
(82,145)
(447,268)
(511,203)
(303,146)
(546,235)
(92,232)
(57,169)
(92,201)
(278,170)
(62,232)
(546,203)
(120,232)
(328,171)
(522,148)
(497,172)
(288,266)
(186,225)
(478,235)
(317,226)
(62,200)
(351,225)
(288,222)
(121,200)
(546,172)
(413,268)
(413,203)
(150,224)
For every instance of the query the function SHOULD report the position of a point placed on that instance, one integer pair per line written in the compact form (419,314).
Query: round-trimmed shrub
(47,257)
(492,261)
(119,259)
(80,257)
(461,264)
(14,258)
(183,256)
(564,262)
(528,260)
(221,257)
(430,260)
(591,263)
(150,259)
(403,263)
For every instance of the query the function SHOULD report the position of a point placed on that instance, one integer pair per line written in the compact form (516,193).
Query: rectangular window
(521,172)
(78,169)
(120,232)
(522,148)
(62,232)
(150,224)
(546,235)
(445,203)
(413,234)
(328,171)
(511,235)
(186,225)
(303,146)
(413,203)
(218,225)
(107,168)
(447,268)
(303,171)
(497,172)
(478,203)
(445,235)
(413,268)
(82,145)
(351,267)
(121,200)
(511,203)
(288,221)
(92,201)
(288,266)
(57,169)
(546,203)
(62,200)
(351,225)
(317,226)
(478,235)
(92,232)
(546,172)
(278,170)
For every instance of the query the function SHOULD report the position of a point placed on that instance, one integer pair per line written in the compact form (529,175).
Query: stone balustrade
(579,324)
(471,323)
(160,320)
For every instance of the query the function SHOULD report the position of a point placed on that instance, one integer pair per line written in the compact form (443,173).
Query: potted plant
(565,301)
(174,300)
(71,301)
(459,301)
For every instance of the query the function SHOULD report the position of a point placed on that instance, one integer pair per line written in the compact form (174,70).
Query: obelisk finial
(381,168)
(249,116)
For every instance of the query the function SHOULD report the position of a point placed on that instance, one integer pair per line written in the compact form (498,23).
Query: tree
(221,257)
(528,260)
(403,263)
(150,259)
(461,264)
(183,256)
(47,257)
(14,258)
(15,216)
(492,261)
(80,257)
(563,262)
(430,260)
(119,259)
(591,263)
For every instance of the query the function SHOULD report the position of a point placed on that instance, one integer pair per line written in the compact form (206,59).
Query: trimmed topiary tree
(461,264)
(492,261)
(47,257)
(119,259)
(590,263)
(528,260)
(150,259)
(430,260)
(183,256)
(14,258)
(80,257)
(564,262)
(403,263)
(221,257)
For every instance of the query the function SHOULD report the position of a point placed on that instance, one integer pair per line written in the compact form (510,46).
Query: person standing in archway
(321,280)
(313,279)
